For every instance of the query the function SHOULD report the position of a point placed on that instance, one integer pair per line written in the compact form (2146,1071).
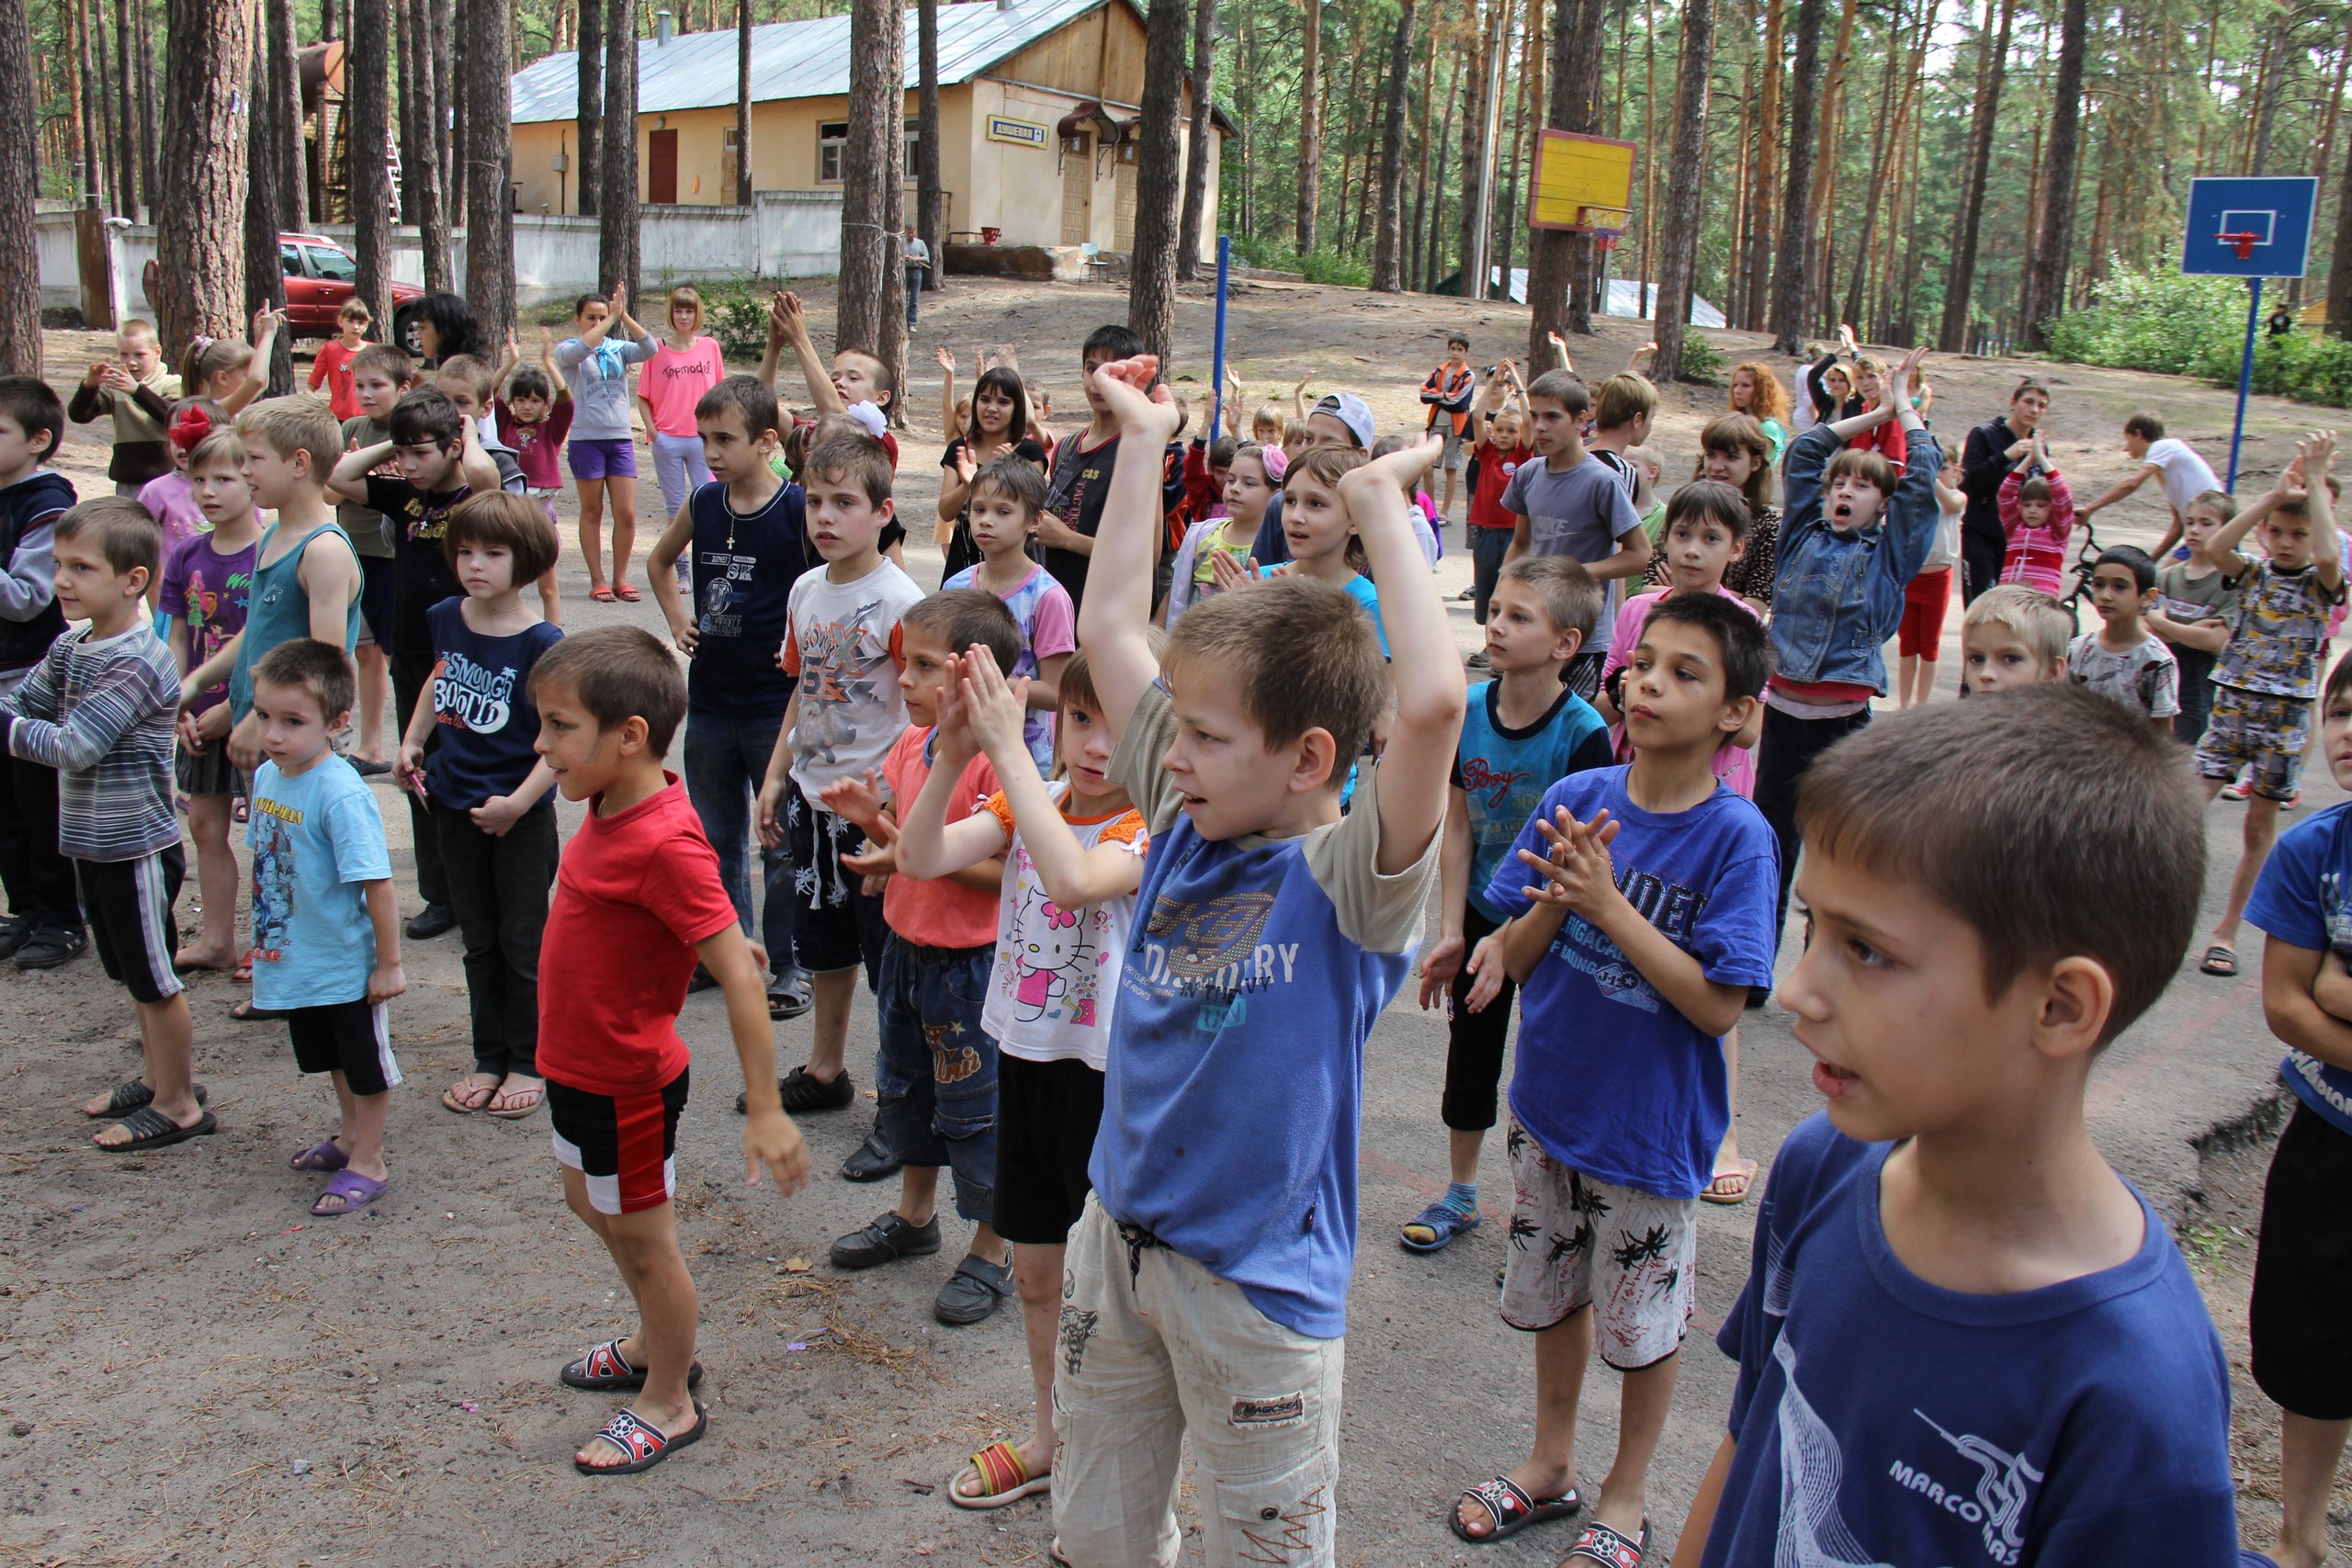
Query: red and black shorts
(626,1145)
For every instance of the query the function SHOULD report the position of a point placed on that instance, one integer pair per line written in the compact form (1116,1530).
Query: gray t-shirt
(362,521)
(2188,599)
(2145,679)
(1580,513)
(599,381)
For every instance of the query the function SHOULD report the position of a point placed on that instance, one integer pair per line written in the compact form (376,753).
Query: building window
(832,146)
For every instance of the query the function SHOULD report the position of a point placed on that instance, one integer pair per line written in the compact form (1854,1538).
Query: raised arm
(1424,667)
(2328,555)
(1113,623)
(267,323)
(949,430)
(2220,551)
(349,479)
(788,325)
(1074,876)
(479,466)
(929,845)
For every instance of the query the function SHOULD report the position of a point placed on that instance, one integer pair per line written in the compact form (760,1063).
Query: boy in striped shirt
(99,708)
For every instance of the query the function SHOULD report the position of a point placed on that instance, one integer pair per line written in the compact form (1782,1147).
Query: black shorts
(351,1038)
(836,923)
(376,576)
(208,771)
(1047,1113)
(626,1146)
(2299,1325)
(128,906)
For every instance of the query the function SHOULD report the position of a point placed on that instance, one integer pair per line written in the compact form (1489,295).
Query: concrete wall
(784,233)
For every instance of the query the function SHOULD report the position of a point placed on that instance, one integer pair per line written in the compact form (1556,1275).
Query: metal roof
(792,60)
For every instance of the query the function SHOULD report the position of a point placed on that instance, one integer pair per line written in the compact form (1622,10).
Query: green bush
(1701,360)
(1323,266)
(2195,326)
(736,315)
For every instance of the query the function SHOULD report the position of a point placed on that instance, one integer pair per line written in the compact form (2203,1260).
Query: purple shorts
(609,459)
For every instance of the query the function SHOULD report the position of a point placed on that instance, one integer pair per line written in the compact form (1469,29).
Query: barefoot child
(326,923)
(207,582)
(488,791)
(1007,498)
(1072,853)
(636,901)
(98,708)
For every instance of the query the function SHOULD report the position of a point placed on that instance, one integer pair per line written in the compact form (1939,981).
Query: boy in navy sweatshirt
(44,926)
(1210,1270)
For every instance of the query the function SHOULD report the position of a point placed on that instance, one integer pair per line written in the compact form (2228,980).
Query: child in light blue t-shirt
(326,948)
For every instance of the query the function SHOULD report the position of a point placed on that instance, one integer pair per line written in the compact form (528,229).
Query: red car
(319,277)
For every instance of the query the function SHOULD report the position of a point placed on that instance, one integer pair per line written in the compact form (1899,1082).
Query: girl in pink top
(1705,532)
(2038,514)
(685,365)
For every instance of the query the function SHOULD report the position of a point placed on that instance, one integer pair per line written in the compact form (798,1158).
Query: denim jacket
(1836,596)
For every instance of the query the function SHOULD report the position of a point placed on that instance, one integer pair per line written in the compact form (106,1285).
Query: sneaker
(2237,791)
(50,947)
(2292,801)
(1466,595)
(803,1093)
(1477,661)
(368,768)
(430,922)
(888,1240)
(973,1293)
(872,1162)
(15,931)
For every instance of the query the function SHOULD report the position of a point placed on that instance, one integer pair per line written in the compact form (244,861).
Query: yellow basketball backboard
(1573,173)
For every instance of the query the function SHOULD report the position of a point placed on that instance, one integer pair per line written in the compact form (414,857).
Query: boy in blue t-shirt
(326,928)
(1209,1272)
(2302,1269)
(1964,1338)
(1639,902)
(747,536)
(1521,732)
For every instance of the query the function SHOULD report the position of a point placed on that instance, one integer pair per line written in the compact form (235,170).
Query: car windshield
(332,264)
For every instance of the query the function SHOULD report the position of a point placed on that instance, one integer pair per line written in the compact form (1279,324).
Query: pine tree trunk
(891,345)
(1477,155)
(91,186)
(490,163)
(870,251)
(1310,125)
(102,94)
(1678,235)
(1582,80)
(1642,302)
(286,113)
(617,196)
(1437,191)
(406,103)
(146,38)
(1831,110)
(265,218)
(1559,261)
(1151,298)
(1196,150)
(930,217)
(1953,337)
(1388,239)
(456,185)
(200,226)
(1792,279)
(2339,271)
(367,113)
(1883,136)
(421,161)
(126,75)
(1417,241)
(20,343)
(2045,277)
(587,160)
(1509,219)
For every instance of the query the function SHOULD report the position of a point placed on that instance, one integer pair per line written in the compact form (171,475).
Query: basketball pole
(2245,375)
(1216,369)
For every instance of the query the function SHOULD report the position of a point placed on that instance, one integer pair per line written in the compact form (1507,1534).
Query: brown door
(1078,193)
(661,168)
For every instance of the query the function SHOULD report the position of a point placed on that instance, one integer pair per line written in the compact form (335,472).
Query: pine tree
(1678,231)
(616,233)
(1388,239)
(1151,295)
(200,226)
(20,342)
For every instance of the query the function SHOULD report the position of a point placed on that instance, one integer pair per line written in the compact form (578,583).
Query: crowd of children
(1145,808)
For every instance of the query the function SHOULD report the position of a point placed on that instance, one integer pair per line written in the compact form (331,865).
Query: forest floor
(197,1372)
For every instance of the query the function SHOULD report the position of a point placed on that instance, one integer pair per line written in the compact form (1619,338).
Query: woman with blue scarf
(602,451)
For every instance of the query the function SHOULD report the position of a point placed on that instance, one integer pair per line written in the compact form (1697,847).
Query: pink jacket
(2037,557)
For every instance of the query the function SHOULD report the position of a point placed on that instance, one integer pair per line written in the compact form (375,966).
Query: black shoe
(1757,997)
(15,931)
(369,768)
(703,981)
(802,1094)
(429,923)
(885,1239)
(872,1162)
(50,947)
(973,1293)
(790,995)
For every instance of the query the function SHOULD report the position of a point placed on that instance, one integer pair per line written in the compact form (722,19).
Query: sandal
(602,594)
(246,1012)
(150,1129)
(2219,960)
(645,1444)
(626,592)
(1605,1546)
(1511,1509)
(466,1104)
(354,1191)
(604,1369)
(1730,1187)
(129,1095)
(1440,1223)
(511,1110)
(243,974)
(1004,1476)
(326,1158)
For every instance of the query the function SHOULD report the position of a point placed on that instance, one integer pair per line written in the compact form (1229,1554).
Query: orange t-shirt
(937,911)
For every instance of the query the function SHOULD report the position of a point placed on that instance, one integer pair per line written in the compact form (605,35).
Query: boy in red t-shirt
(1501,448)
(638,900)
(935,1073)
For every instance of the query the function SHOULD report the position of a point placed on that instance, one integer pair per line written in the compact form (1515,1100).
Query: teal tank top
(278,611)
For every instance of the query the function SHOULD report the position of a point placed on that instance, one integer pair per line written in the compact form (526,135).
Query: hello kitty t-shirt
(1057,970)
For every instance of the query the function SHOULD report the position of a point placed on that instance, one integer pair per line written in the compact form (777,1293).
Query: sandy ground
(200,1372)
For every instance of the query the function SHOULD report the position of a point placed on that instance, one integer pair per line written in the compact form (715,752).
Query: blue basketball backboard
(2274,210)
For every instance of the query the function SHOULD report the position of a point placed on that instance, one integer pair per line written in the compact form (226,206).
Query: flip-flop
(247,1012)
(1730,1187)
(1003,1474)
(323,1156)
(1601,1544)
(450,1101)
(626,592)
(2219,960)
(1443,1221)
(602,594)
(645,1444)
(603,1368)
(129,1095)
(150,1129)
(243,974)
(356,1190)
(1511,1507)
(515,1113)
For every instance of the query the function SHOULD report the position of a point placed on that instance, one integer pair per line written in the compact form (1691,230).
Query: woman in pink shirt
(685,365)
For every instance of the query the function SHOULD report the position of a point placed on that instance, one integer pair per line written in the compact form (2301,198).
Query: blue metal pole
(2245,372)
(1216,369)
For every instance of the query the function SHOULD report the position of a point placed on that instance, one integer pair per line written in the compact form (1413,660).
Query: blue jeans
(1487,548)
(934,1076)
(914,292)
(726,759)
